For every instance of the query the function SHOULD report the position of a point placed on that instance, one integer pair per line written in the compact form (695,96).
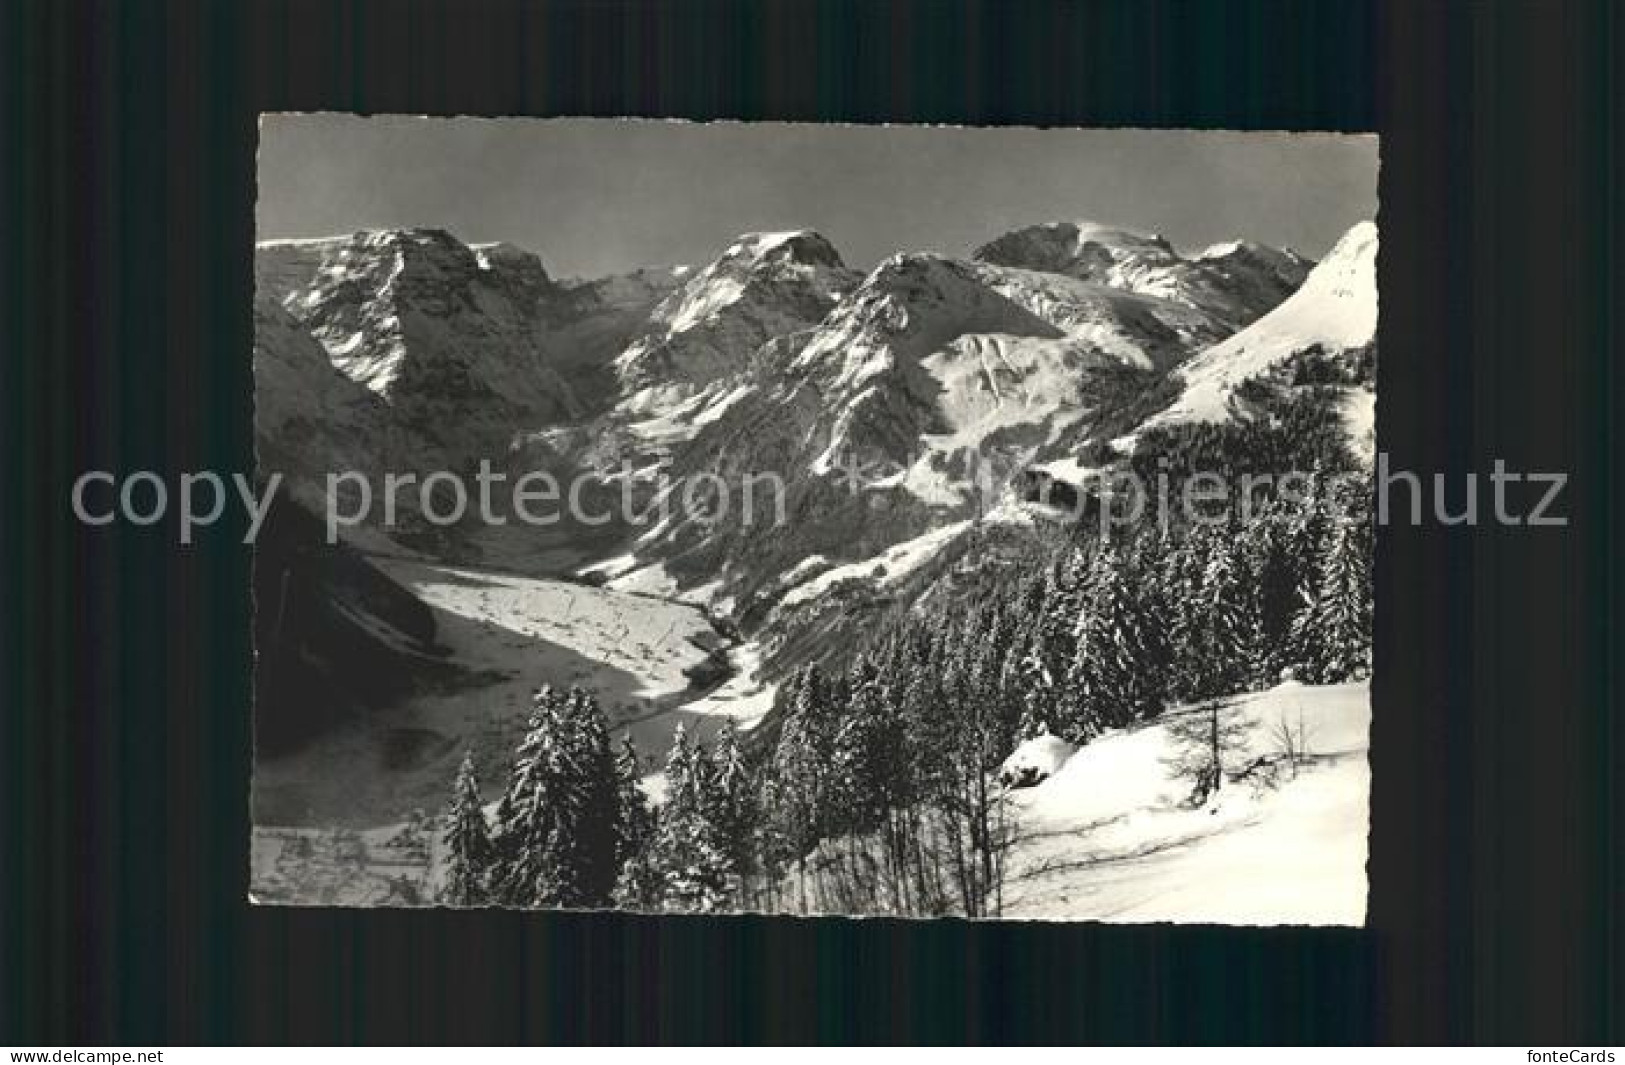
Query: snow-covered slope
(883,571)
(1108,838)
(1143,331)
(1334,312)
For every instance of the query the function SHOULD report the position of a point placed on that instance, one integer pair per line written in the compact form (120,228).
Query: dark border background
(126,180)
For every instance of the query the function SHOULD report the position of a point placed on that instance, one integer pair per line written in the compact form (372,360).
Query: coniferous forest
(875,784)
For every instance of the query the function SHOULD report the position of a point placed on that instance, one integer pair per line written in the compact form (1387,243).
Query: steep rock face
(1254,277)
(586,324)
(285,268)
(1332,316)
(310,419)
(436,355)
(764,285)
(905,408)
(1234,283)
(452,338)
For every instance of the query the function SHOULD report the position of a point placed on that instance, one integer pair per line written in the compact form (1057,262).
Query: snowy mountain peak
(1284,261)
(1087,250)
(909,306)
(762,286)
(1355,254)
(1234,282)
(799,245)
(510,260)
(424,265)
(433,265)
(404,260)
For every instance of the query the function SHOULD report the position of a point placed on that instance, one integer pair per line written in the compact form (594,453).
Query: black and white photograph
(857,523)
(808,520)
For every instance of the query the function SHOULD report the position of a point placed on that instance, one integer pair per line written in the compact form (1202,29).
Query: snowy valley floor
(1105,839)
(513,634)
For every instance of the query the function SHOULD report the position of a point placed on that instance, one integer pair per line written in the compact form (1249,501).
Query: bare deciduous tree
(1207,742)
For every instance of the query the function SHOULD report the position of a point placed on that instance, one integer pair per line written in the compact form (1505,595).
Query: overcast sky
(595,196)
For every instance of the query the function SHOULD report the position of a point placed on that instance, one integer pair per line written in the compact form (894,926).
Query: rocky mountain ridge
(874,396)
(1236,281)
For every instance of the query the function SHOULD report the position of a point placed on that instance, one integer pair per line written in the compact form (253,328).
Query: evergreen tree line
(559,832)
(574,829)
(1298,429)
(882,772)
(1108,632)
(874,788)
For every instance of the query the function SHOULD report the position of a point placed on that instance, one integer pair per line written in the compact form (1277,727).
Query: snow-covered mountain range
(911,412)
(1047,347)
(466,344)
(900,408)
(1235,281)
(1332,314)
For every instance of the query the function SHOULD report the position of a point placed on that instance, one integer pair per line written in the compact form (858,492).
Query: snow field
(1108,838)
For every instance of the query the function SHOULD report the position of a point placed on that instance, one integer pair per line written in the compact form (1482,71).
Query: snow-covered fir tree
(1224,622)
(557,820)
(1050,648)
(799,775)
(1114,677)
(1179,579)
(1334,628)
(697,873)
(1274,576)
(638,885)
(467,841)
(1208,741)
(867,759)
(733,797)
